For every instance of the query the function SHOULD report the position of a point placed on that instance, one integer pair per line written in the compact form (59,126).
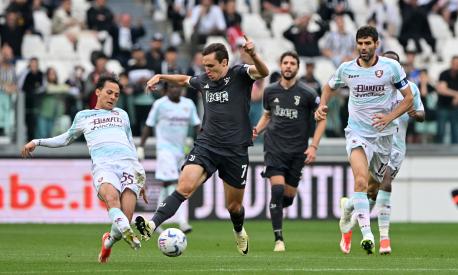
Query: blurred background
(53,51)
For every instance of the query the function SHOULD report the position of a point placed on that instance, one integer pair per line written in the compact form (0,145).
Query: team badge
(226,80)
(297,99)
(379,73)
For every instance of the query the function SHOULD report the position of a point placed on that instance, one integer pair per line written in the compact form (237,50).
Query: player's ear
(224,62)
(97,92)
(377,44)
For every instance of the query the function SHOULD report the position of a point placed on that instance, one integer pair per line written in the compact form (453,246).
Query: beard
(289,77)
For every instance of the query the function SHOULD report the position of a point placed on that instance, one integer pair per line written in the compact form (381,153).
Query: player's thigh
(109,194)
(131,176)
(128,203)
(233,170)
(234,197)
(192,176)
(359,165)
(167,165)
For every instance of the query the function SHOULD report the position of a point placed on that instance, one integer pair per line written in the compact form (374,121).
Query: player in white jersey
(171,116)
(118,177)
(379,192)
(373,82)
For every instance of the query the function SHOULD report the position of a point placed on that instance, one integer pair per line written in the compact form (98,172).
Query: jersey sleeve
(336,80)
(398,77)
(244,72)
(66,138)
(151,120)
(195,81)
(417,104)
(195,120)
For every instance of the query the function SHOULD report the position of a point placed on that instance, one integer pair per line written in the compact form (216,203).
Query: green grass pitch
(311,247)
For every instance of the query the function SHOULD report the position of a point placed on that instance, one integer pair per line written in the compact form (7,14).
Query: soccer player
(379,193)
(373,82)
(118,177)
(223,142)
(171,116)
(289,105)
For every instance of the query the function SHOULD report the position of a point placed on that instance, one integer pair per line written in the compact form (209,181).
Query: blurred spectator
(339,46)
(449,10)
(177,11)
(125,36)
(207,19)
(447,104)
(63,22)
(52,106)
(126,100)
(429,98)
(139,73)
(100,17)
(32,87)
(385,16)
(329,8)
(11,33)
(24,15)
(305,42)
(8,88)
(309,77)
(270,7)
(170,63)
(76,83)
(99,61)
(194,69)
(155,55)
(412,72)
(231,16)
(415,25)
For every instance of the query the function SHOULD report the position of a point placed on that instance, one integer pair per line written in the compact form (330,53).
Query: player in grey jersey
(117,175)
(289,105)
(223,142)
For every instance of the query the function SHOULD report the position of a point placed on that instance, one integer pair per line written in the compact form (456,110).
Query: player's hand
(143,194)
(310,155)
(380,121)
(28,149)
(140,153)
(151,84)
(321,112)
(412,113)
(248,47)
(255,134)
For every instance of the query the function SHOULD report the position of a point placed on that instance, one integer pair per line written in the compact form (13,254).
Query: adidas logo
(276,100)
(207,86)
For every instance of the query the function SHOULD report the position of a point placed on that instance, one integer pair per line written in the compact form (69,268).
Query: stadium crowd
(52,52)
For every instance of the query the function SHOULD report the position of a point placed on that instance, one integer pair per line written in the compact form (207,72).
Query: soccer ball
(172,242)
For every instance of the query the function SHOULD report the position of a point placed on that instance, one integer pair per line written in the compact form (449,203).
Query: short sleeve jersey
(171,121)
(372,90)
(107,132)
(399,138)
(291,111)
(226,107)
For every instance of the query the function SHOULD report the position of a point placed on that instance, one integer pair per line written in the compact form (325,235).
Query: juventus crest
(297,99)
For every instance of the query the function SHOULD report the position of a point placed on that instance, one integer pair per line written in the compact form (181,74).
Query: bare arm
(311,150)
(419,116)
(177,79)
(443,89)
(146,132)
(382,120)
(259,69)
(262,124)
(322,110)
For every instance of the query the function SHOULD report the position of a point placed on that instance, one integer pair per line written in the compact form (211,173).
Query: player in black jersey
(289,105)
(223,141)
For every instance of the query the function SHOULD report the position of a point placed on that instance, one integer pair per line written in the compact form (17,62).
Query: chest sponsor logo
(285,112)
(219,97)
(106,122)
(297,99)
(368,90)
(379,73)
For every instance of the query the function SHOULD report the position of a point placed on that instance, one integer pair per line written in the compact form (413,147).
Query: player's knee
(234,207)
(185,190)
(287,201)
(112,200)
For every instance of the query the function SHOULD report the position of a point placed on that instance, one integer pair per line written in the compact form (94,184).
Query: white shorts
(168,165)
(377,150)
(121,174)
(396,159)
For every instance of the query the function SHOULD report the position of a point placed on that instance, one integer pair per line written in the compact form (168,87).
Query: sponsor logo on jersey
(353,76)
(219,97)
(106,122)
(379,73)
(297,99)
(369,90)
(285,112)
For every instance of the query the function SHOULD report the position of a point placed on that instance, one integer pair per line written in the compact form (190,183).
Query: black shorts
(231,169)
(286,165)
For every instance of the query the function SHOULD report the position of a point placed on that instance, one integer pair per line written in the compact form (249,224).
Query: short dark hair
(367,31)
(171,49)
(395,54)
(219,50)
(108,77)
(292,54)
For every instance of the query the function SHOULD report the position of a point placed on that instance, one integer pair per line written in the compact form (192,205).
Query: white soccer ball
(172,242)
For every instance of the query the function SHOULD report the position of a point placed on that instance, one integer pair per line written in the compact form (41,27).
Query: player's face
(174,93)
(366,48)
(214,69)
(289,67)
(108,96)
